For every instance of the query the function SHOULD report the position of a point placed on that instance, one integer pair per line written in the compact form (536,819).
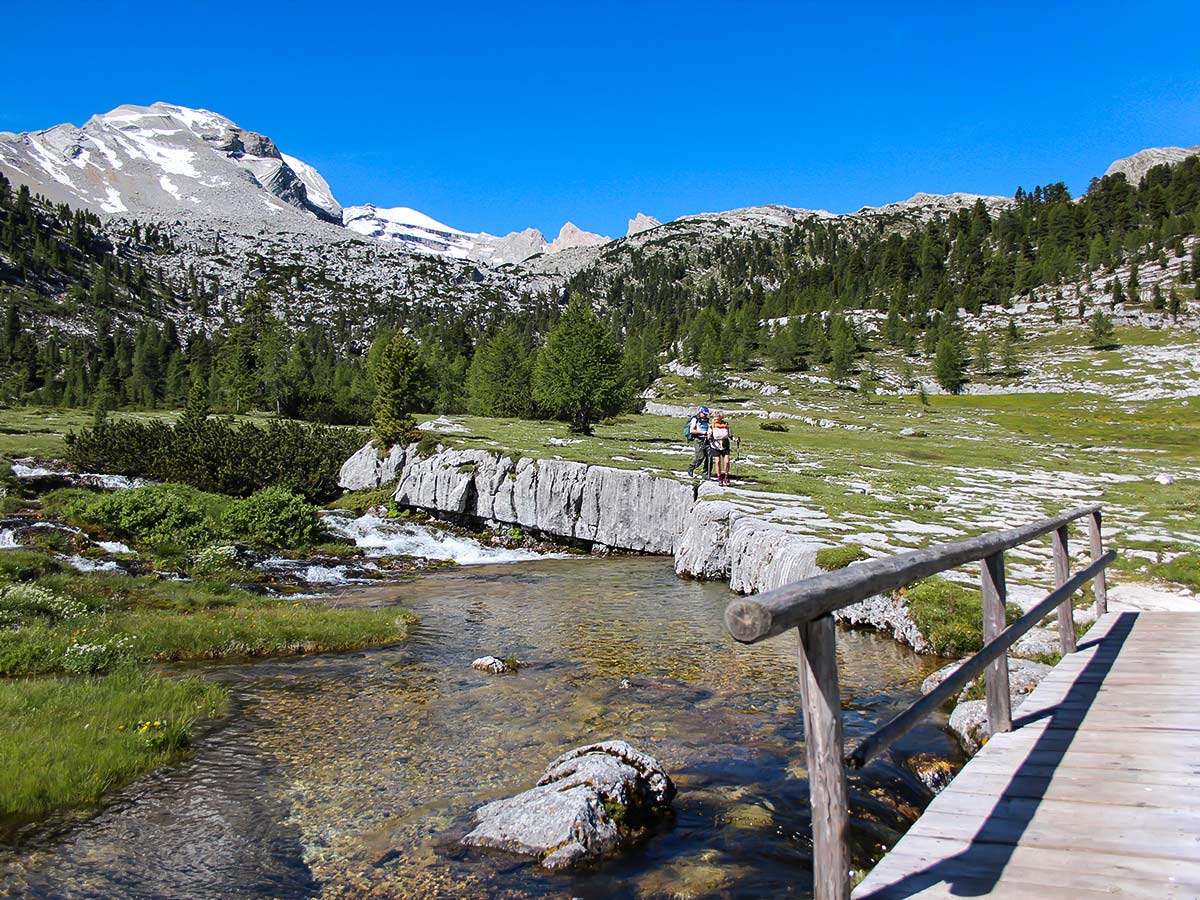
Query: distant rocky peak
(641,222)
(1135,167)
(570,236)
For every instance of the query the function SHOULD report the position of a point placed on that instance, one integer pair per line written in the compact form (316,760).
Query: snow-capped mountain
(401,225)
(168,160)
(423,234)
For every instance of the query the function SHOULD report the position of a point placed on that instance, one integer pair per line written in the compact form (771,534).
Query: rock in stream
(590,803)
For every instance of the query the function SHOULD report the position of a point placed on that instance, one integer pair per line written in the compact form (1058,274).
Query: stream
(353,775)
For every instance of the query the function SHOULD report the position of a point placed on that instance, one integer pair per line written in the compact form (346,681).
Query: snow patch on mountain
(415,230)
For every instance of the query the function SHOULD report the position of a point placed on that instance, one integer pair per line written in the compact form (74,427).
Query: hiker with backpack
(697,432)
(720,445)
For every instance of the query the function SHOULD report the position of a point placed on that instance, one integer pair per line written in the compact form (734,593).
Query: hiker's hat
(704,410)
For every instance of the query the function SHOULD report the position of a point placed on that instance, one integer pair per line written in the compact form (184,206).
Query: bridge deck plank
(1095,792)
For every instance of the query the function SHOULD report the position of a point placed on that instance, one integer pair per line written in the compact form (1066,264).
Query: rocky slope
(163,160)
(1135,167)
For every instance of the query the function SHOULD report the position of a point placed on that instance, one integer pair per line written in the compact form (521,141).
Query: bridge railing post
(995,594)
(1100,585)
(1062,572)
(822,703)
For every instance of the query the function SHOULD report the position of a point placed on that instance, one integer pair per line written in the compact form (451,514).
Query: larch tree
(578,375)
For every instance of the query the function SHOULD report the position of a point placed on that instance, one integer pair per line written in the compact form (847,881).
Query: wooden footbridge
(1093,790)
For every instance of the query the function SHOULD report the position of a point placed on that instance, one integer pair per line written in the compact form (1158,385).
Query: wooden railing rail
(808,606)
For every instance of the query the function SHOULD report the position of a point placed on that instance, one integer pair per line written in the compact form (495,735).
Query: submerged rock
(935,772)
(590,803)
(496,665)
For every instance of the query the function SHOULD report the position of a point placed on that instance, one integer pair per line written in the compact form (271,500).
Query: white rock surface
(494,665)
(570,237)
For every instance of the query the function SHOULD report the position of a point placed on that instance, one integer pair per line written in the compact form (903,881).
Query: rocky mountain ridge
(240,215)
(167,160)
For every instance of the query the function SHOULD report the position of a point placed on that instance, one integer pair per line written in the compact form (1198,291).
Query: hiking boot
(691,473)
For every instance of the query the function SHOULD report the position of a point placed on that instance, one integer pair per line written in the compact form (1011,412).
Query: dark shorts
(717,450)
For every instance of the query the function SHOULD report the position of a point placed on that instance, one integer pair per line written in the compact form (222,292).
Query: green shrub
(427,444)
(275,517)
(831,558)
(361,501)
(772,426)
(68,503)
(950,616)
(213,560)
(158,515)
(220,456)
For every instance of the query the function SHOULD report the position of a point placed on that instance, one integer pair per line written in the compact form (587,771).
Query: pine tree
(197,408)
(1100,331)
(499,382)
(712,372)
(949,364)
(577,376)
(983,353)
(842,348)
(398,383)
(1010,361)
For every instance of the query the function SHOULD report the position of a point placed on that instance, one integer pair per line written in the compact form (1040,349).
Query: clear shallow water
(353,775)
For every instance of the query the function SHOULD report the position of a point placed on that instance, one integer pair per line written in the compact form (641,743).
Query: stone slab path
(1094,793)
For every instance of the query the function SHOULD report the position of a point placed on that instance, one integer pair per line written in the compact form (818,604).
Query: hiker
(720,443)
(697,431)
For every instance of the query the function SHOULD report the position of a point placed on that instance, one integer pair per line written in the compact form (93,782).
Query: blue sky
(497,116)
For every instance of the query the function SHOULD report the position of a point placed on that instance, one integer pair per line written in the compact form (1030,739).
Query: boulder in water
(496,665)
(590,803)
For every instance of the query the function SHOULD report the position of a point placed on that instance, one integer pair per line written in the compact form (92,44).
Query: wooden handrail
(808,606)
(888,734)
(754,619)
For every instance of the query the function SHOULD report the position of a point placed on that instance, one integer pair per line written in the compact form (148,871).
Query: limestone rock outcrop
(590,803)
(620,508)
(365,470)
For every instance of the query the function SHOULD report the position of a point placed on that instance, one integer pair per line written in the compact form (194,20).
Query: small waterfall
(390,537)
